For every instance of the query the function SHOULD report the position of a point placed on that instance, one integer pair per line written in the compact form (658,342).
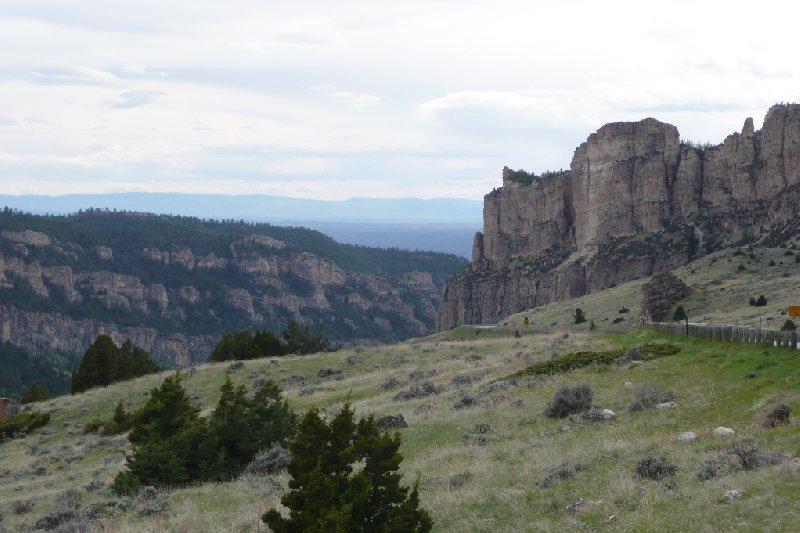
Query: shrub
(778,416)
(580,317)
(269,461)
(623,309)
(788,326)
(22,506)
(391,422)
(22,423)
(752,301)
(566,470)
(390,383)
(751,456)
(569,400)
(655,468)
(761,302)
(797,258)
(771,263)
(574,360)
(720,465)
(422,390)
(618,320)
(326,493)
(648,396)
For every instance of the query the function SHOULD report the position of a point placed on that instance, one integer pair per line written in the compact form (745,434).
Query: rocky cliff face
(636,200)
(176,301)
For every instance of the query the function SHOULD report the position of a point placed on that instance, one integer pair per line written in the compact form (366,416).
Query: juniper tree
(326,495)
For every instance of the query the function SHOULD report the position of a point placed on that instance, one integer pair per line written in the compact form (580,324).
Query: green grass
(500,491)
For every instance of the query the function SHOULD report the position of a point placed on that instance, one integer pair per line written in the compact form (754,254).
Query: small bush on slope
(569,400)
(22,423)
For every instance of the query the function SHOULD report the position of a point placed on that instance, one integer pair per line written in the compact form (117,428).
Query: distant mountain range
(262,208)
(439,224)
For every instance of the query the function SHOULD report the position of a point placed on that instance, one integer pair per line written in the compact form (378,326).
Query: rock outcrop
(636,200)
(660,294)
(175,301)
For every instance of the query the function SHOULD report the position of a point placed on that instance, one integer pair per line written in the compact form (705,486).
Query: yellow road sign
(794,310)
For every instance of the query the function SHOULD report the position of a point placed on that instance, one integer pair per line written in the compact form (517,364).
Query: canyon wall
(635,200)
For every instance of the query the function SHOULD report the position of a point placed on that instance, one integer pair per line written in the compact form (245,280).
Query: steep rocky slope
(173,285)
(636,200)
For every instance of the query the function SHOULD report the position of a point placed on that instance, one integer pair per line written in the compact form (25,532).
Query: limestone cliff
(635,200)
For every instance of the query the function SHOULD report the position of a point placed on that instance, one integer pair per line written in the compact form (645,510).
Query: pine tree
(679,314)
(580,317)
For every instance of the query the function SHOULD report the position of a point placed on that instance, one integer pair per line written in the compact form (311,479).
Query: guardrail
(725,333)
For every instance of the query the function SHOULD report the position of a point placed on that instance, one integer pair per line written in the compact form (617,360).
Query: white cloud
(356,99)
(60,73)
(381,99)
(135,98)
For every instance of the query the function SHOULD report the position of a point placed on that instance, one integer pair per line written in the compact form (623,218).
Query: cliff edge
(636,200)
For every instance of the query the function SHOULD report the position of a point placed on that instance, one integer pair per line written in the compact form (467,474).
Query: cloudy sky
(331,100)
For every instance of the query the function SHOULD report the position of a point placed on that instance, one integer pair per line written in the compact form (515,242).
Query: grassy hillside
(468,484)
(720,294)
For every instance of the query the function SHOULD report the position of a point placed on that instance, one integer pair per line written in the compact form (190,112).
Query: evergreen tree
(325,494)
(37,393)
(300,340)
(580,317)
(789,325)
(761,302)
(679,314)
(173,445)
(103,363)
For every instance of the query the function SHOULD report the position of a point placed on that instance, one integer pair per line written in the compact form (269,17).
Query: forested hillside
(175,284)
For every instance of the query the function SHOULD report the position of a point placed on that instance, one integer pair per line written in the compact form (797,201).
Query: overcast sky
(331,100)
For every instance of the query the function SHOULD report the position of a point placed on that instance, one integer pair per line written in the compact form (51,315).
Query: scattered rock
(687,436)
(667,405)
(724,432)
(517,404)
(608,413)
(794,465)
(353,359)
(566,429)
(731,495)
(576,506)
(660,295)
